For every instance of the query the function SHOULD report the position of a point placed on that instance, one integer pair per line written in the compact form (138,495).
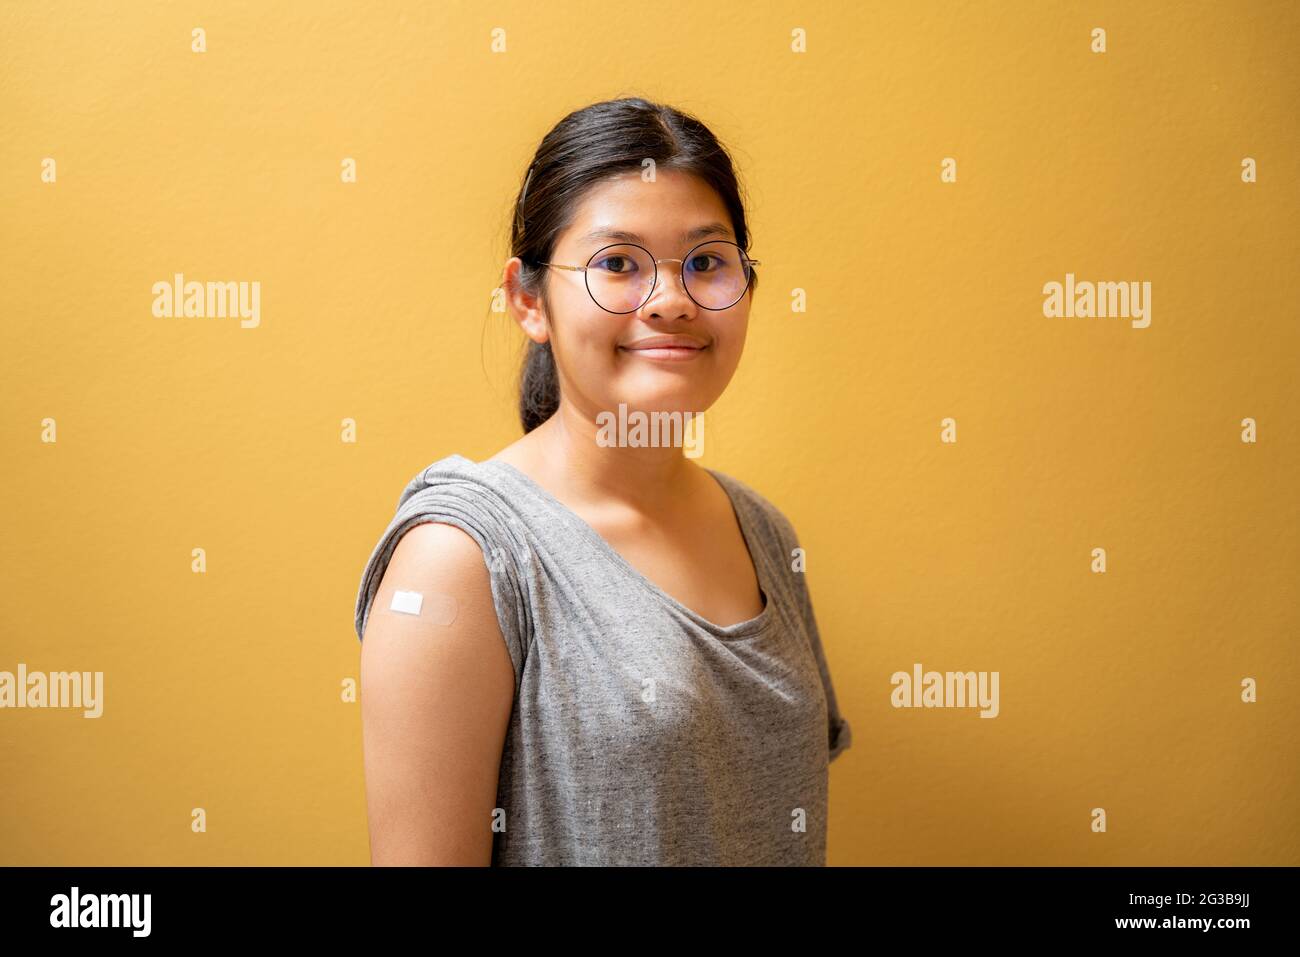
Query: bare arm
(435,704)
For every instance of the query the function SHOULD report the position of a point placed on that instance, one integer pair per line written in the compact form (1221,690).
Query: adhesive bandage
(407,602)
(427,606)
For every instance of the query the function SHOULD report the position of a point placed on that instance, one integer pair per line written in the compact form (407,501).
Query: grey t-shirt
(642,733)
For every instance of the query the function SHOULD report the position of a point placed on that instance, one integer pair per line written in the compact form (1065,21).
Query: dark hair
(586,147)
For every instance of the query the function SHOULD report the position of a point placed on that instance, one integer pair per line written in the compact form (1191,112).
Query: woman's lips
(664,353)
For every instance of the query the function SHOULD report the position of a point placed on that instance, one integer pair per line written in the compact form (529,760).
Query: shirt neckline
(751,627)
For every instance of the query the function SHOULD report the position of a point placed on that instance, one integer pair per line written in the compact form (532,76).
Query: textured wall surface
(958,463)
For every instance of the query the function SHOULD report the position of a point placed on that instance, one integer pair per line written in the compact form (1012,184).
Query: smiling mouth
(665,353)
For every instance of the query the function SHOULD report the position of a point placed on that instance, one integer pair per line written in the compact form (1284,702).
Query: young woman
(581,651)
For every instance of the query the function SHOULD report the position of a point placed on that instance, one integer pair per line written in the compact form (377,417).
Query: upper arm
(435,704)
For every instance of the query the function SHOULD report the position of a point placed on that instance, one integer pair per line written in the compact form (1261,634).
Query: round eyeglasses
(621,278)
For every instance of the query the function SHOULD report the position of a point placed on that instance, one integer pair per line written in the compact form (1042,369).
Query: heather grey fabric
(642,734)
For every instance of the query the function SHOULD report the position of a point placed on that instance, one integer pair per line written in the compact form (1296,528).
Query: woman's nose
(669,293)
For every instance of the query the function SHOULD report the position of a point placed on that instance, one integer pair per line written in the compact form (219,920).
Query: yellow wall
(1119,690)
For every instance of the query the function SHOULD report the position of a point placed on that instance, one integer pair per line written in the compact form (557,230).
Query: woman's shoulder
(455,476)
(456,491)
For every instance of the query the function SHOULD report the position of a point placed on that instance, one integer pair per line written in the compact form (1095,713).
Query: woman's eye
(621,264)
(700,263)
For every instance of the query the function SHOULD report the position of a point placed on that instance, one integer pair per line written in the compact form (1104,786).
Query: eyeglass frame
(749,274)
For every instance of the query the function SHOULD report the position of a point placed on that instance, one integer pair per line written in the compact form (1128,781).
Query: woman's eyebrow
(623,236)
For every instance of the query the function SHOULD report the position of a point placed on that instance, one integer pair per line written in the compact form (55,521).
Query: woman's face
(603,358)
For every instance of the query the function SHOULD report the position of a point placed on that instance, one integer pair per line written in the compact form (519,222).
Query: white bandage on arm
(435,607)
(407,602)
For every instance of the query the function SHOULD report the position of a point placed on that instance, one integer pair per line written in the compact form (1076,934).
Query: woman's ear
(525,308)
